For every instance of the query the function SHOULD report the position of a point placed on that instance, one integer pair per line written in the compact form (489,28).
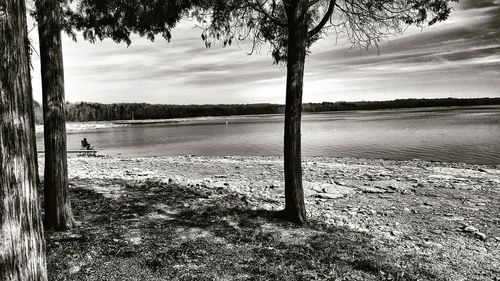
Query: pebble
(431,244)
(369,189)
(470,229)
(74,269)
(437,232)
(396,233)
(480,235)
(329,195)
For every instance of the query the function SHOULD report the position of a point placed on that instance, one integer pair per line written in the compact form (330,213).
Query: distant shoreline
(85,111)
(228,118)
(75,126)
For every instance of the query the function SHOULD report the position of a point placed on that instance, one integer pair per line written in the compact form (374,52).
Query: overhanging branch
(313,2)
(260,7)
(323,21)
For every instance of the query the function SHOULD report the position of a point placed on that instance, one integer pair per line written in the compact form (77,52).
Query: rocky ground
(214,218)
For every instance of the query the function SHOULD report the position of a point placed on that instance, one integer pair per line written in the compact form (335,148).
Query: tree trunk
(297,36)
(57,205)
(22,246)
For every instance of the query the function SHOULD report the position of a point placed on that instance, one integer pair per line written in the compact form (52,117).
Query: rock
(437,232)
(329,195)
(470,229)
(135,240)
(273,186)
(396,233)
(334,191)
(369,189)
(452,217)
(480,235)
(431,244)
(74,269)
(497,238)
(67,237)
(391,188)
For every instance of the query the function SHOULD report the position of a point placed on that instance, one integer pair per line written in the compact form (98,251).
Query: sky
(456,58)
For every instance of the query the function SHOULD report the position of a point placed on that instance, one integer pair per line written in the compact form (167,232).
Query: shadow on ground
(159,231)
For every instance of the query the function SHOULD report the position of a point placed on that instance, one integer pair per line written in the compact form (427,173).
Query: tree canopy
(365,23)
(119,19)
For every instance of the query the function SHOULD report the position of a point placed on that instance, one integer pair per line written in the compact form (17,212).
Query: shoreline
(84,126)
(324,178)
(225,162)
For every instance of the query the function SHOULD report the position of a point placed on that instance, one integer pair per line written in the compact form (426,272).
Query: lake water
(454,134)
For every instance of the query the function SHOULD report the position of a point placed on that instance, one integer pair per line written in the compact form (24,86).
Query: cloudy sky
(457,58)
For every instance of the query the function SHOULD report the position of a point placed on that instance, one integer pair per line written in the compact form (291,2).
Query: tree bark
(58,214)
(22,246)
(297,35)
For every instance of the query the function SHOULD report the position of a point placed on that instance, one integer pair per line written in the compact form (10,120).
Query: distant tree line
(85,111)
(399,103)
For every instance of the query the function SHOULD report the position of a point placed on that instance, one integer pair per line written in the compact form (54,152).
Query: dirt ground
(216,218)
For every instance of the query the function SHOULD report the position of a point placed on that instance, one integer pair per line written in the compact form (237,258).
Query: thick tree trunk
(22,246)
(57,205)
(297,36)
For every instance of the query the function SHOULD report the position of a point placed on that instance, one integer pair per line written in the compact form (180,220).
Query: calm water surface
(454,134)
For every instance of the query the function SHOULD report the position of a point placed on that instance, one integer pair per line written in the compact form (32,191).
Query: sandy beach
(213,218)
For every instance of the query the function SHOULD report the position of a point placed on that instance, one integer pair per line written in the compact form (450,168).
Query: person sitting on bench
(85,144)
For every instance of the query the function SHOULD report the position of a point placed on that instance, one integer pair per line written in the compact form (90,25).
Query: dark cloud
(475,4)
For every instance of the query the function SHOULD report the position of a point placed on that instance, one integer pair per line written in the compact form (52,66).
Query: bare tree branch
(259,7)
(313,2)
(323,21)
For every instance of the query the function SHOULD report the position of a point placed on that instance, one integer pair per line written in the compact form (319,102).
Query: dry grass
(157,231)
